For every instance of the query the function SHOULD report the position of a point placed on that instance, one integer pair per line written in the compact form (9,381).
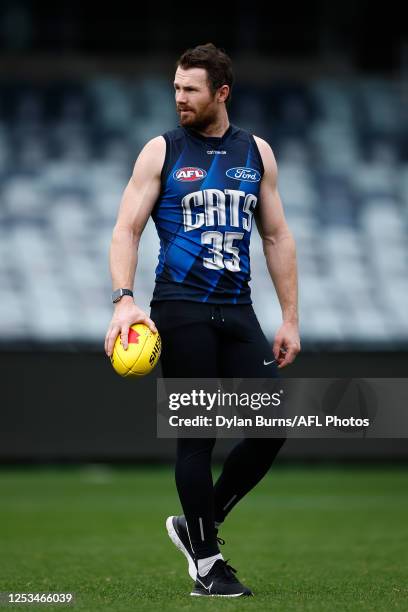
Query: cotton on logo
(189,174)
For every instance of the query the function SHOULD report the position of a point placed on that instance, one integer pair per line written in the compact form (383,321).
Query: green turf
(315,539)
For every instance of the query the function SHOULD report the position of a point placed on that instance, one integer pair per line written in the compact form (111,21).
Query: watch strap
(119,293)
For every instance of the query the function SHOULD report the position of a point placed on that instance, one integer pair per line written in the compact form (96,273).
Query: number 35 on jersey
(216,208)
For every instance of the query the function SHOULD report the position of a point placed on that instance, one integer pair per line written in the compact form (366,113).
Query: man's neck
(216,129)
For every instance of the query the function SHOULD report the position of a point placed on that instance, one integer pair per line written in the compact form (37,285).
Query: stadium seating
(67,150)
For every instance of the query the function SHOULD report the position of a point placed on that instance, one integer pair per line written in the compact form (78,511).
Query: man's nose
(181,97)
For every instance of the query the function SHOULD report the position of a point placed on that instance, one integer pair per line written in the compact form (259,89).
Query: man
(203,183)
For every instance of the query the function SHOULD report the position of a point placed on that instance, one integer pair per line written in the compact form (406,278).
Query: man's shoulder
(239,132)
(152,155)
(267,156)
(244,134)
(158,143)
(261,141)
(265,150)
(247,133)
(154,145)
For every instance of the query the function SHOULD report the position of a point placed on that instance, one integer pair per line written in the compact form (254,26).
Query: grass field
(315,539)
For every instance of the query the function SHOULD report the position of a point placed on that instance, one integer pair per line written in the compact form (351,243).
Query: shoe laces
(226,570)
(219,540)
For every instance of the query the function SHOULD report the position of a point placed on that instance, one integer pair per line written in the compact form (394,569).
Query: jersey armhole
(162,174)
(258,154)
(166,161)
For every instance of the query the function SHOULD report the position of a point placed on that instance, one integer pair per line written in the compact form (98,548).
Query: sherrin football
(142,354)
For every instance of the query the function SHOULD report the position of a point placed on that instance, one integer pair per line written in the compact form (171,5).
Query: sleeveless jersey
(204,216)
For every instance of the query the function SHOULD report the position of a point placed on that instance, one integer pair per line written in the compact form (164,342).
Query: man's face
(196,105)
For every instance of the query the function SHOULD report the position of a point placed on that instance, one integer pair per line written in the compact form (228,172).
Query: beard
(196,121)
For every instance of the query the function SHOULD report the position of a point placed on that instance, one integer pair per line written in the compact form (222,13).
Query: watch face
(116,295)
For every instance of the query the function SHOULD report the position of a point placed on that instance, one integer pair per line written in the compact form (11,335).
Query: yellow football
(142,354)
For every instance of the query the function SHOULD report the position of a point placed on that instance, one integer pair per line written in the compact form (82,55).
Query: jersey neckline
(214,140)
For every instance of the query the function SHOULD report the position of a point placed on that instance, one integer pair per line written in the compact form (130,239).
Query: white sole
(215,595)
(192,570)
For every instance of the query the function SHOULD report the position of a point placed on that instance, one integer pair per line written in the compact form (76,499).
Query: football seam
(130,370)
(126,366)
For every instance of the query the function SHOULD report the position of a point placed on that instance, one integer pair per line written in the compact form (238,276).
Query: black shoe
(220,582)
(178,533)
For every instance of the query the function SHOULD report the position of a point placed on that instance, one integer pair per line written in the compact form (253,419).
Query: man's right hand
(126,314)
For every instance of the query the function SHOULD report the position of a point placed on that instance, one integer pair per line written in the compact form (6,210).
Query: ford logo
(244,174)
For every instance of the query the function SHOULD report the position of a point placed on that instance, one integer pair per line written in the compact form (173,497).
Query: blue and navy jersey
(204,216)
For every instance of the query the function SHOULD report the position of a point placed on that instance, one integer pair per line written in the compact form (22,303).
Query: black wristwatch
(119,293)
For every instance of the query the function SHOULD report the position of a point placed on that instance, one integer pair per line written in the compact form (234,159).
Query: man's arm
(280,253)
(136,205)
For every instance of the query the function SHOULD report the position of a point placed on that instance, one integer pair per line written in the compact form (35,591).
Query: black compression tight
(204,503)
(201,340)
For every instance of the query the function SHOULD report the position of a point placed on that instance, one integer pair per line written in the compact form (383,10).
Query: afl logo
(244,174)
(189,174)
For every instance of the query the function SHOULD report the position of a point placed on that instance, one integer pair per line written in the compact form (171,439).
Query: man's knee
(265,446)
(190,448)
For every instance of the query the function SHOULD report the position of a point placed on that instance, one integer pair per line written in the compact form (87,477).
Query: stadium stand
(66,153)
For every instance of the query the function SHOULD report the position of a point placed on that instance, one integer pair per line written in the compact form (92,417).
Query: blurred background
(81,90)
(85,483)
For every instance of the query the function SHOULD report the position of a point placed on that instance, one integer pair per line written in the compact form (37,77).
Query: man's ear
(223,93)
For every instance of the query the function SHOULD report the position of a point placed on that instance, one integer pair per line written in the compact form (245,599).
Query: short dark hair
(215,61)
